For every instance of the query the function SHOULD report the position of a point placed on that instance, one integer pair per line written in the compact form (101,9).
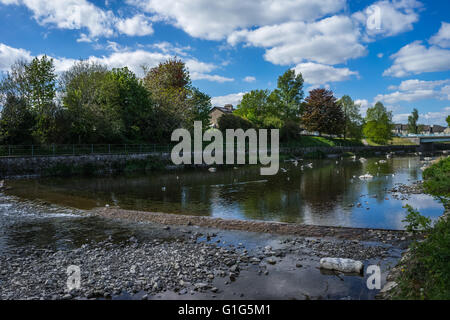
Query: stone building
(217,112)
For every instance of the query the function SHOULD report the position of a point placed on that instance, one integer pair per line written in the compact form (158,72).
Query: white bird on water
(163,189)
(212,169)
(283,170)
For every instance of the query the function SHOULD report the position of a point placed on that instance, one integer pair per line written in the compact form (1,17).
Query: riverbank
(107,164)
(190,262)
(360,234)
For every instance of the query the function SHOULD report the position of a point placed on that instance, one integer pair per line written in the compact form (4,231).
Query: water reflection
(329,193)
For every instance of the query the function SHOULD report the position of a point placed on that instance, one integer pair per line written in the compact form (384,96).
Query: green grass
(396,141)
(311,141)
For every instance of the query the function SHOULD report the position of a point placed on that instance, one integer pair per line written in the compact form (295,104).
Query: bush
(231,121)
(290,131)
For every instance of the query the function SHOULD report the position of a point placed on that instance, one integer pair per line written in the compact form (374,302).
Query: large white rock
(343,265)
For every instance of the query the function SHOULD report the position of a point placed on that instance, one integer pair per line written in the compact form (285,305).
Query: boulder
(343,265)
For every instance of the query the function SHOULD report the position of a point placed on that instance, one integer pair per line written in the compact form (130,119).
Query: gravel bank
(386,236)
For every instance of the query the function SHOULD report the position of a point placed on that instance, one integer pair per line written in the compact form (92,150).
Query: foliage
(322,113)
(290,131)
(426,274)
(416,222)
(231,121)
(17,121)
(352,118)
(437,180)
(288,95)
(378,124)
(448,120)
(257,107)
(412,122)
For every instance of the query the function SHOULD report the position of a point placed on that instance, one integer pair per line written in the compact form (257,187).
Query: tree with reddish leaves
(322,113)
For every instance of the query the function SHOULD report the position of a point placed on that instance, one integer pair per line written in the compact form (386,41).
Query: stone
(343,265)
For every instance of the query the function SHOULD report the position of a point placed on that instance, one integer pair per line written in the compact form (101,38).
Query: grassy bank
(425,273)
(396,141)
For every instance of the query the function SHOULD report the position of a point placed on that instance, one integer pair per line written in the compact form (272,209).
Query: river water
(330,193)
(52,213)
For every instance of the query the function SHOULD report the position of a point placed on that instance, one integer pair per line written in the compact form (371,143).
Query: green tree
(170,86)
(231,121)
(258,107)
(16,122)
(412,122)
(200,107)
(322,112)
(378,124)
(448,120)
(41,81)
(352,118)
(289,95)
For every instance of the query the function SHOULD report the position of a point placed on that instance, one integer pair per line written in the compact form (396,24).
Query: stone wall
(43,165)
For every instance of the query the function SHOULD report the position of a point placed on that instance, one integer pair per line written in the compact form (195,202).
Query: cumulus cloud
(9,55)
(318,74)
(249,79)
(429,118)
(215,20)
(388,18)
(135,60)
(364,105)
(82,14)
(138,25)
(234,99)
(331,40)
(416,58)
(442,38)
(414,89)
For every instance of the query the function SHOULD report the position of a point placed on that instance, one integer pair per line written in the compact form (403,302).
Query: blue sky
(395,51)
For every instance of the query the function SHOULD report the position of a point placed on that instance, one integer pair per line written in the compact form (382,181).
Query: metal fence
(123,149)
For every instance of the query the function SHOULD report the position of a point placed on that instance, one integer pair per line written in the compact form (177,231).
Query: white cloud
(210,77)
(380,55)
(429,118)
(215,20)
(234,99)
(249,79)
(329,41)
(442,38)
(318,74)
(9,55)
(415,58)
(136,26)
(414,89)
(388,18)
(82,14)
(134,60)
(364,105)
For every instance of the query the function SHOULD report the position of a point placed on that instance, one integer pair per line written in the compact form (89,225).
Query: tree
(412,121)
(352,118)
(169,84)
(289,95)
(200,108)
(322,113)
(258,107)
(34,84)
(378,124)
(448,120)
(231,121)
(81,86)
(16,122)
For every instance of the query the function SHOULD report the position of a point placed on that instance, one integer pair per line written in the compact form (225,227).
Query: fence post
(9,150)
(53,146)
(92,148)
(109,148)
(32,150)
(73,149)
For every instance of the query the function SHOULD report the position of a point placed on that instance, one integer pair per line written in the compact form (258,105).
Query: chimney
(228,107)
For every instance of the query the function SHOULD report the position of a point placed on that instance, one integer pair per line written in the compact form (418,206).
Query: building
(217,112)
(400,129)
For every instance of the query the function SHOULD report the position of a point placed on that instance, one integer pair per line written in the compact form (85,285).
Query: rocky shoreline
(360,234)
(192,263)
